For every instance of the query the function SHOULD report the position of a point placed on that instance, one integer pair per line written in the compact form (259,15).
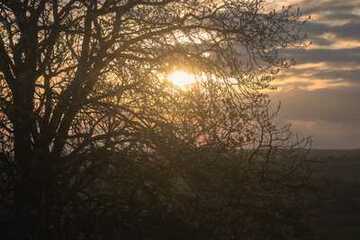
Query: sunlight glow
(181,78)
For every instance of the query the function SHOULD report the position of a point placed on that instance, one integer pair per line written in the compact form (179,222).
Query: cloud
(329,135)
(331,9)
(320,96)
(344,55)
(331,105)
(330,116)
(336,45)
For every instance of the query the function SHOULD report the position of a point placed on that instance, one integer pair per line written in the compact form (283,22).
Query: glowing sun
(181,78)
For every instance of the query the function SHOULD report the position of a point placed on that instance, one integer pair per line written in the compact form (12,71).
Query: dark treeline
(96,143)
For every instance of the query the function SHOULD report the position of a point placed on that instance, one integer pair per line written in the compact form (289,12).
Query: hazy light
(181,78)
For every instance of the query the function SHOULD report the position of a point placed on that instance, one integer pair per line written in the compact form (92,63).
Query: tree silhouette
(84,96)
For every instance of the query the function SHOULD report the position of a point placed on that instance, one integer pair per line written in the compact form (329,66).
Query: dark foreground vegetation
(339,211)
(208,195)
(96,143)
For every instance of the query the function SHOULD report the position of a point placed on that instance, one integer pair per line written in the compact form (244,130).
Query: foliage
(97,143)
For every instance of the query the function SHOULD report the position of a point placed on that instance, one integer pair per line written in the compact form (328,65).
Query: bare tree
(80,80)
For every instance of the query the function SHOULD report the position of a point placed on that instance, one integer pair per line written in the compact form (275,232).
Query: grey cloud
(330,135)
(331,105)
(349,30)
(329,72)
(330,9)
(332,114)
(347,55)
(346,75)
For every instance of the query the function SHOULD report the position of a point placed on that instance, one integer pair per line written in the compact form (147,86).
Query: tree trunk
(33,189)
(29,188)
(24,159)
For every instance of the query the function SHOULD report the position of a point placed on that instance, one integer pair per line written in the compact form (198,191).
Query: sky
(320,95)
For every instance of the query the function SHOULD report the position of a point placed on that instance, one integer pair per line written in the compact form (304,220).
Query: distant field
(340,210)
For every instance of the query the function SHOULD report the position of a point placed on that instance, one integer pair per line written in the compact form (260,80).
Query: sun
(181,78)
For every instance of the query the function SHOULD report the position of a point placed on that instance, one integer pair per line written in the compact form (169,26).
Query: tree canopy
(93,130)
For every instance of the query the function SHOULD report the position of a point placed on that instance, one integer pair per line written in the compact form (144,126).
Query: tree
(84,81)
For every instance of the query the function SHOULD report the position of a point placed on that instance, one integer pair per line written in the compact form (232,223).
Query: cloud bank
(321,95)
